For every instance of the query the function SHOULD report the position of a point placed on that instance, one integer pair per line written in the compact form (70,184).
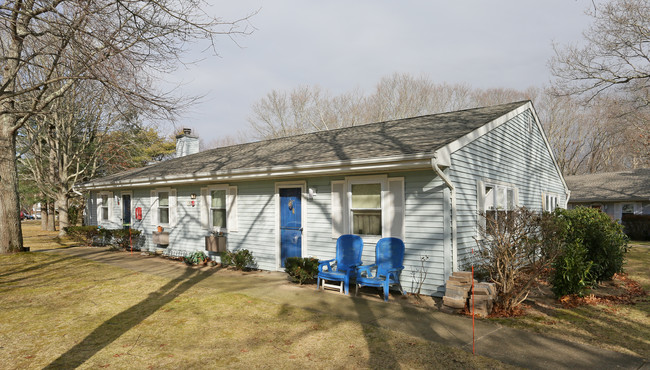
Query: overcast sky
(341,45)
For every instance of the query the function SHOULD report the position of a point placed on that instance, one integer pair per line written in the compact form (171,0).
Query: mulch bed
(630,291)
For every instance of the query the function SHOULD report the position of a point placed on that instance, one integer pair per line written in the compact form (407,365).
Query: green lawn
(63,312)
(623,328)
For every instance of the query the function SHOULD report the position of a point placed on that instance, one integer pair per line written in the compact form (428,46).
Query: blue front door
(290,224)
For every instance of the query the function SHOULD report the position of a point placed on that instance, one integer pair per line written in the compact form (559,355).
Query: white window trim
(481,208)
(211,188)
(109,206)
(373,179)
(169,208)
(506,185)
(205,203)
(557,197)
(173,205)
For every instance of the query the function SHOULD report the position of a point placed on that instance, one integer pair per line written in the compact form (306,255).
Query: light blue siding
(510,154)
(424,214)
(424,228)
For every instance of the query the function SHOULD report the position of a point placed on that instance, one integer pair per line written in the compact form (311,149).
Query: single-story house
(423,179)
(615,193)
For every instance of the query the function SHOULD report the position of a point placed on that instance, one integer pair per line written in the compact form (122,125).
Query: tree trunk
(62,207)
(51,216)
(45,214)
(11,233)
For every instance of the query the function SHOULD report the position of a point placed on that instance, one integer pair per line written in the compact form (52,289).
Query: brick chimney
(186,143)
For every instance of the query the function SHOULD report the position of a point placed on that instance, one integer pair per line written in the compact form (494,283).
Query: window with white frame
(368,205)
(550,202)
(218,209)
(104,207)
(627,208)
(495,201)
(366,209)
(499,199)
(163,207)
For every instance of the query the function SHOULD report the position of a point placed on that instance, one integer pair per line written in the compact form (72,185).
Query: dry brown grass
(37,239)
(619,327)
(64,312)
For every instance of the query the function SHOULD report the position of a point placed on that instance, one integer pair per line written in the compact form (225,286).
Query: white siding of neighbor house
(614,209)
(510,154)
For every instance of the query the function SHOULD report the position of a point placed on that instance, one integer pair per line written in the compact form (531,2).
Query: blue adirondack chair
(344,266)
(389,260)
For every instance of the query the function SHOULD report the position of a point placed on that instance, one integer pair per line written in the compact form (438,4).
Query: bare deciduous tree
(513,249)
(616,54)
(64,143)
(46,46)
(307,109)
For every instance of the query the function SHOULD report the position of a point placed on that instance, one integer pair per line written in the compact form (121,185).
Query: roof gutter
(319,169)
(454,239)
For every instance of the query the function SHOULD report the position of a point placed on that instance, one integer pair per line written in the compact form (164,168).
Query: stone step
(463,274)
(454,302)
(457,292)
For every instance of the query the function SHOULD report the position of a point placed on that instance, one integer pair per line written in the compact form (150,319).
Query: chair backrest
(348,251)
(389,254)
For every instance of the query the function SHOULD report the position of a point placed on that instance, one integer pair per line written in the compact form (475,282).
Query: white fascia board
(549,149)
(468,138)
(419,161)
(444,153)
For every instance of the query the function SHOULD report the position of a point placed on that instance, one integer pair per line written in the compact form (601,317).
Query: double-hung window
(218,209)
(550,202)
(372,206)
(104,207)
(163,207)
(496,201)
(366,209)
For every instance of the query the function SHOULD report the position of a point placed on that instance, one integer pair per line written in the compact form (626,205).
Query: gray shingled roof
(410,136)
(610,186)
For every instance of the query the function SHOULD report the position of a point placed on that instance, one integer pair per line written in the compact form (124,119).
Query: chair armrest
(327,263)
(366,269)
(395,272)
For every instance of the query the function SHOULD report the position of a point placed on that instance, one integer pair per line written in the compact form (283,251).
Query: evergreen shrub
(301,270)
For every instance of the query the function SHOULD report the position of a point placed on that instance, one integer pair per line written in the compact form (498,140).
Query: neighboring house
(615,193)
(422,179)
(36,210)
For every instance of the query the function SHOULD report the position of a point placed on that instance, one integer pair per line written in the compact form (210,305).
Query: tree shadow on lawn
(35,266)
(119,324)
(619,330)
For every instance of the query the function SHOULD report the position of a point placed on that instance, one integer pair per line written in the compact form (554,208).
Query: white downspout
(447,181)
